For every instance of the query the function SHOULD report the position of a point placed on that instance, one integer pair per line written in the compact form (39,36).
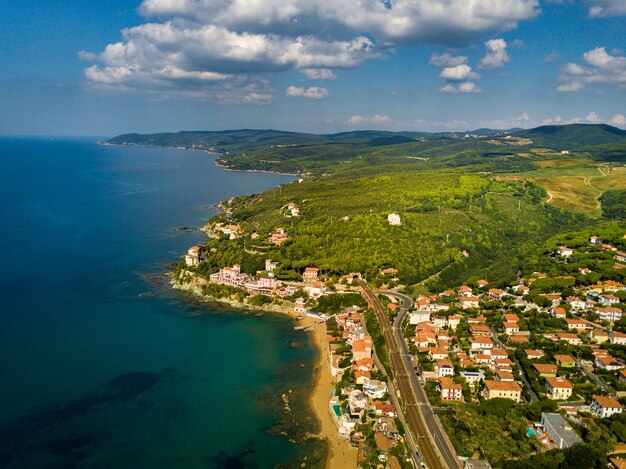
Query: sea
(101,364)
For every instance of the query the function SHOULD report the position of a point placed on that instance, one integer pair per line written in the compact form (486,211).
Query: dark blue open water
(94,372)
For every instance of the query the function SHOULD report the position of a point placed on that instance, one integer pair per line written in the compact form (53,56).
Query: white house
(375,389)
(394,219)
(559,388)
(617,338)
(604,406)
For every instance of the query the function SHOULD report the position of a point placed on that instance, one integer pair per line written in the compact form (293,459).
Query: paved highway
(435,448)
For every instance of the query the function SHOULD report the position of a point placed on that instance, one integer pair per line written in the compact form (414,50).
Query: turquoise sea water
(96,370)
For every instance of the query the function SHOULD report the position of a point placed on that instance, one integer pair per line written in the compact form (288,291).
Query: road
(422,422)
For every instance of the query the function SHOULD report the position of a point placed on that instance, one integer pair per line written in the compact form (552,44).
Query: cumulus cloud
(600,67)
(312,93)
(319,73)
(375,119)
(592,117)
(618,120)
(496,56)
(458,73)
(605,8)
(466,87)
(209,48)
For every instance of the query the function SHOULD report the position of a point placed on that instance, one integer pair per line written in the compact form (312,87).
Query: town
(548,351)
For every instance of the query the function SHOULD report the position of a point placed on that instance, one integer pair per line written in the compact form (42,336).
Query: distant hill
(573,136)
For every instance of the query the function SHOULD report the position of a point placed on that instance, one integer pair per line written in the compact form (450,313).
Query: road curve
(435,448)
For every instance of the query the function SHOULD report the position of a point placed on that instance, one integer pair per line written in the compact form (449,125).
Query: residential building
(618,338)
(545,370)
(479,330)
(394,219)
(375,389)
(504,389)
(609,314)
(444,367)
(310,275)
(576,324)
(608,300)
(449,390)
(510,328)
(504,376)
(270,266)
(599,337)
(509,317)
(604,406)
(192,258)
(576,303)
(419,316)
(533,354)
(565,361)
(472,377)
(482,343)
(560,431)
(469,302)
(558,312)
(564,251)
(571,339)
(608,363)
(453,321)
(559,389)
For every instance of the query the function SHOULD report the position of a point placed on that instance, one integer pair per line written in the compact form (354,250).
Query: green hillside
(344,227)
(573,136)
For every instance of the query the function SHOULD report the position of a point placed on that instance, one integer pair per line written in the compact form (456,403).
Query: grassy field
(576,184)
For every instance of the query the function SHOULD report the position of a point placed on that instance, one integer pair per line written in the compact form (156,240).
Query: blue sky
(72,67)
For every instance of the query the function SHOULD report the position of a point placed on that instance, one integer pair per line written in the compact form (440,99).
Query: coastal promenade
(436,450)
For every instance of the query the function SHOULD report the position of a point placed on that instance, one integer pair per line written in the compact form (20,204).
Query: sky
(101,68)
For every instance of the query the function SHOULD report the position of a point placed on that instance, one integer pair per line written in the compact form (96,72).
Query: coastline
(217,154)
(340,453)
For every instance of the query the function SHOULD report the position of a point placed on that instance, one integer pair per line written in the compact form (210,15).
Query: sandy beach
(341,454)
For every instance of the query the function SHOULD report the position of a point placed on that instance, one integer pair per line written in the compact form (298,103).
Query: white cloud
(605,8)
(189,45)
(600,68)
(618,120)
(466,87)
(375,119)
(319,73)
(496,56)
(312,93)
(458,73)
(592,117)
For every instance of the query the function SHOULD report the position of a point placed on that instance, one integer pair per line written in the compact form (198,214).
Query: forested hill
(373,151)
(573,136)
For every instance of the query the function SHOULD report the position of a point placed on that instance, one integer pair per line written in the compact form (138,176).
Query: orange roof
(559,382)
(607,402)
(482,340)
(518,338)
(447,383)
(564,359)
(545,368)
(493,385)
